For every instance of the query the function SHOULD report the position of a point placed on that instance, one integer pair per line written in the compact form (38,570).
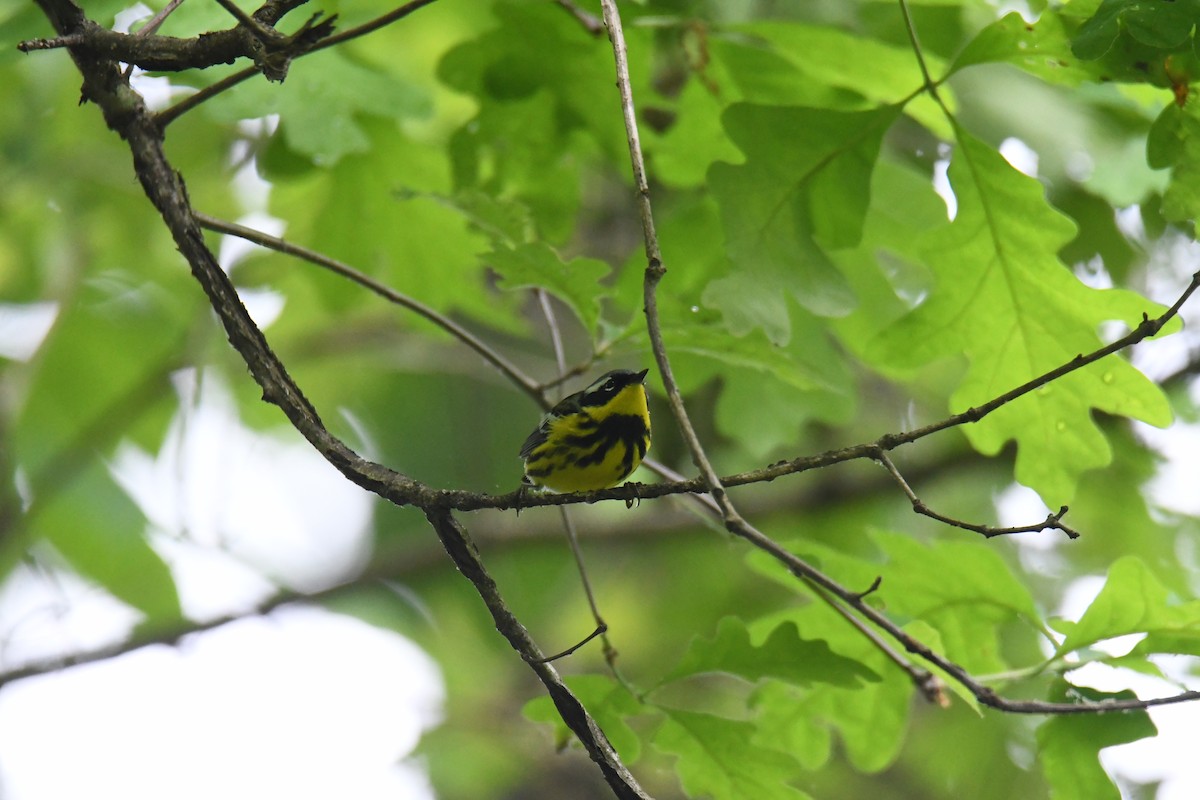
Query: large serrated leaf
(1005,301)
(804,188)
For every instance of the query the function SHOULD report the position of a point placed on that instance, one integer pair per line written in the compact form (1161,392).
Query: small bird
(592,439)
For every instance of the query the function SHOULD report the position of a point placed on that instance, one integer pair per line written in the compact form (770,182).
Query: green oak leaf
(1154,24)
(803,189)
(1069,744)
(1041,48)
(784,655)
(963,591)
(871,71)
(871,718)
(608,702)
(535,264)
(718,758)
(322,103)
(1005,301)
(1133,600)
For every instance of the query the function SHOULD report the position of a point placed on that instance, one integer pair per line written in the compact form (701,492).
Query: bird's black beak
(641,376)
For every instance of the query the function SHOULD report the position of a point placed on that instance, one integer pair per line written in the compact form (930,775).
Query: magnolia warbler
(592,439)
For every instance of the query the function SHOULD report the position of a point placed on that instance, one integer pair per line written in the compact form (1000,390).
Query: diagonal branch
(462,551)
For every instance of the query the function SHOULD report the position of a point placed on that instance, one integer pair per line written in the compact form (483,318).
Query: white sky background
(302,703)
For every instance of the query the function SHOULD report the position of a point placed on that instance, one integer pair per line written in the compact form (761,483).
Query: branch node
(601,629)
(889,441)
(858,596)
(933,689)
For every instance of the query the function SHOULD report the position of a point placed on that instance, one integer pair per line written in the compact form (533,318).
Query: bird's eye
(609,385)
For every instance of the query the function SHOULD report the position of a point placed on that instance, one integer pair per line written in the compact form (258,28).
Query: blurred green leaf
(1175,141)
(1068,747)
(322,102)
(98,529)
(717,758)
(1162,25)
(803,189)
(963,590)
(784,655)
(881,73)
(1041,48)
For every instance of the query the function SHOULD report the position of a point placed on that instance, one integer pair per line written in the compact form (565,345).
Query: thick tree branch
(462,551)
(271,50)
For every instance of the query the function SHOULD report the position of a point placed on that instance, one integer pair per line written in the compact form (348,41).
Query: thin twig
(556,340)
(591,23)
(152,25)
(261,31)
(600,630)
(573,538)
(610,652)
(372,26)
(1052,521)
(930,83)
(156,22)
(560,360)
(655,269)
(172,113)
